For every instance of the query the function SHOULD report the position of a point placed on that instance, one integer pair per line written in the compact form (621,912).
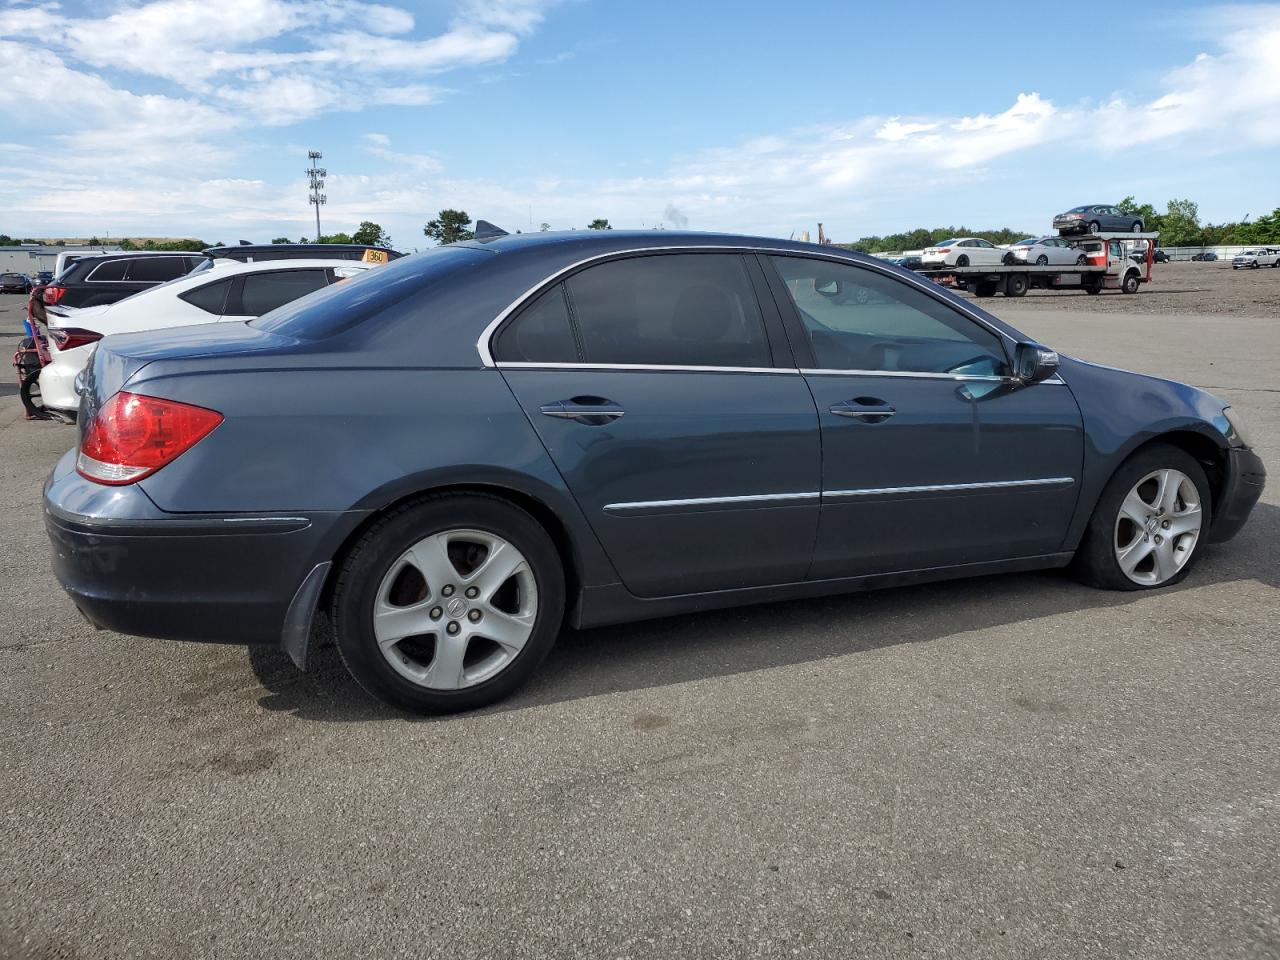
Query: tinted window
(263,292)
(111,270)
(156,269)
(859,319)
(674,310)
(541,334)
(211,297)
(12,277)
(344,305)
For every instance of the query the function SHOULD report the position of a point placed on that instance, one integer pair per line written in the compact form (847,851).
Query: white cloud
(227,76)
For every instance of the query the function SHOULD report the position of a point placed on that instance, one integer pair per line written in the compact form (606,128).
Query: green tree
(337,238)
(1180,226)
(544,227)
(127,244)
(599,224)
(370,233)
(282,240)
(449,227)
(95,242)
(1143,211)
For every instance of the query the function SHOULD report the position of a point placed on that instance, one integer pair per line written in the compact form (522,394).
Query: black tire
(1042,261)
(1137,226)
(1132,282)
(368,562)
(1095,561)
(29,394)
(1095,227)
(962,260)
(1093,289)
(1081,260)
(1015,285)
(985,289)
(1009,259)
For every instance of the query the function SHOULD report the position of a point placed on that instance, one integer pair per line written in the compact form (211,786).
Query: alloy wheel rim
(455,609)
(1158,527)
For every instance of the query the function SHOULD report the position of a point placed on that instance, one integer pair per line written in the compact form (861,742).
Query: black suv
(93,281)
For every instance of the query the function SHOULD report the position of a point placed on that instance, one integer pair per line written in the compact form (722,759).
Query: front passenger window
(859,319)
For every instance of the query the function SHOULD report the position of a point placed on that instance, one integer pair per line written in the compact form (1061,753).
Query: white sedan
(961,252)
(221,290)
(1045,252)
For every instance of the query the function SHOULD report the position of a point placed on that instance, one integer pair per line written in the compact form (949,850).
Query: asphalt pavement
(1004,767)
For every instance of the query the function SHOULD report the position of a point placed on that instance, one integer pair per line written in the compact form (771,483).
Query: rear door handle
(867,409)
(593,411)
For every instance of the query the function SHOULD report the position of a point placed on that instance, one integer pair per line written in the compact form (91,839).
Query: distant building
(32,258)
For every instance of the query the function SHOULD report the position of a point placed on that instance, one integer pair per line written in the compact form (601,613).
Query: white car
(221,290)
(1262,257)
(961,252)
(1045,252)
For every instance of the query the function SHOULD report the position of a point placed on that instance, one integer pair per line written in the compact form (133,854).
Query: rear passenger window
(540,334)
(106,272)
(263,292)
(210,298)
(156,269)
(670,310)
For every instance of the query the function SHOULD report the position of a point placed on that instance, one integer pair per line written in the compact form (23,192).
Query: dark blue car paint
(321,434)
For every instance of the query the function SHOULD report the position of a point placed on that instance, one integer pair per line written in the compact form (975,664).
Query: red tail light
(133,436)
(68,338)
(944,249)
(53,293)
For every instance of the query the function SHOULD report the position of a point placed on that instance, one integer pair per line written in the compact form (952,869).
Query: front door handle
(866,409)
(593,411)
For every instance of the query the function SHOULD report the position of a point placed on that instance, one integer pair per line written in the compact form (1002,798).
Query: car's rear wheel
(1081,260)
(1042,261)
(1148,522)
(1095,227)
(29,394)
(1137,226)
(962,260)
(449,604)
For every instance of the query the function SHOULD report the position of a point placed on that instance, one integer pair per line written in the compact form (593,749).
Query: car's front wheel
(448,604)
(1148,522)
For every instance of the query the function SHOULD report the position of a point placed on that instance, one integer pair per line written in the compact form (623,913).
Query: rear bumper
(130,567)
(1245,480)
(58,379)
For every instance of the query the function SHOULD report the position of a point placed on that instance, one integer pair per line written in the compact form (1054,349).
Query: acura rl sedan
(458,454)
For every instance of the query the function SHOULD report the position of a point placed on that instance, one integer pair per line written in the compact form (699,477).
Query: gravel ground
(1182,287)
(1006,767)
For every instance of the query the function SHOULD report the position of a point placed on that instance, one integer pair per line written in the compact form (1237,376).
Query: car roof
(298,251)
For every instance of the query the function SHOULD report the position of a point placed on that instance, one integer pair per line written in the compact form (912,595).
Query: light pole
(317,175)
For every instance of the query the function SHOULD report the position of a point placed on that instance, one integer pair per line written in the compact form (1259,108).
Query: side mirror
(1033,362)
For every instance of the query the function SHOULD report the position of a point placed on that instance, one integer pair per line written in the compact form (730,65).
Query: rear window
(344,305)
(264,292)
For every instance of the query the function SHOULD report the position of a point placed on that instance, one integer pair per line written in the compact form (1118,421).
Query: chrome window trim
(950,487)
(486,357)
(675,368)
(661,367)
(642,505)
(708,501)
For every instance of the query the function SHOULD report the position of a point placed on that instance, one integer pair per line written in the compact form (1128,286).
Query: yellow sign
(374,256)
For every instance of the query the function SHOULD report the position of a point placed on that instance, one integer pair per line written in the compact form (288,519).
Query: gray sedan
(578,430)
(1097,218)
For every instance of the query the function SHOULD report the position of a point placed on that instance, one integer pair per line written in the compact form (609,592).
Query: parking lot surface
(1004,767)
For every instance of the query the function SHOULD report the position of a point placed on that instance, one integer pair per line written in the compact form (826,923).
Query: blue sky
(180,117)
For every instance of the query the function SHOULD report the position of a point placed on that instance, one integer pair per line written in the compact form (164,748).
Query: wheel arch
(1208,451)
(572,561)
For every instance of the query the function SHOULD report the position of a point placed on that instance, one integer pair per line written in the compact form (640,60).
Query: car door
(984,252)
(932,455)
(262,291)
(664,391)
